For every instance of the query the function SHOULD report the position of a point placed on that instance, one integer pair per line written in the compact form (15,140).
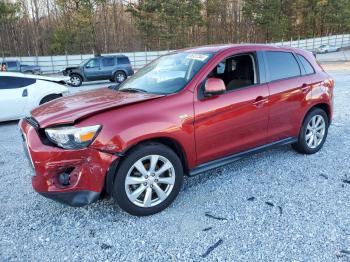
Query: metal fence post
(66,60)
(291,40)
(299,41)
(52,65)
(134,60)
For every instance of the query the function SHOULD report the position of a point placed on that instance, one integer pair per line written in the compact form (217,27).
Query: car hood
(67,110)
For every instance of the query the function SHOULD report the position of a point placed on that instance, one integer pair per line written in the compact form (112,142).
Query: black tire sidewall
(302,141)
(118,191)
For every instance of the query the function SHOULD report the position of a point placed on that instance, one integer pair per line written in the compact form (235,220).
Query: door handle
(25,93)
(259,100)
(305,88)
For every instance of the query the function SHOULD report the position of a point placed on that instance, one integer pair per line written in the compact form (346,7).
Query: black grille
(32,122)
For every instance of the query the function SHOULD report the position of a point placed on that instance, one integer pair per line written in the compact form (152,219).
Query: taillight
(329,83)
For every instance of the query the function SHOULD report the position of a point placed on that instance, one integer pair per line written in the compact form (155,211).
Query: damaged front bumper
(73,177)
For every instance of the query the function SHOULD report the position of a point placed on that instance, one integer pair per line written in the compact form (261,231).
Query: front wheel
(75,80)
(148,179)
(313,133)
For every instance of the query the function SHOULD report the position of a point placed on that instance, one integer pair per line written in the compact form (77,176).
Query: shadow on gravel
(246,161)
(9,123)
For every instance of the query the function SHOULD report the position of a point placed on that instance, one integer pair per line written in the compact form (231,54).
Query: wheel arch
(324,106)
(167,141)
(119,69)
(48,95)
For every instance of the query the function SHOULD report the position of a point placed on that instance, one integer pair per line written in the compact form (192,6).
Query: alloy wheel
(120,77)
(150,181)
(315,131)
(75,80)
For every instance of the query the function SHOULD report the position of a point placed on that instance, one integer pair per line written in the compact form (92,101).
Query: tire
(148,183)
(75,80)
(306,140)
(49,98)
(119,77)
(28,72)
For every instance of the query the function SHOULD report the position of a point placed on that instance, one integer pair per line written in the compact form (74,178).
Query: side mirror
(214,86)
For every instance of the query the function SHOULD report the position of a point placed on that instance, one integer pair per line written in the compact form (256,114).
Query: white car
(322,49)
(20,93)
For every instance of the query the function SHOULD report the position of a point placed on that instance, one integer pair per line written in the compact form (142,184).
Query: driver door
(92,69)
(236,120)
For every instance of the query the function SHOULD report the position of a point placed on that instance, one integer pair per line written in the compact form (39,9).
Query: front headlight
(71,137)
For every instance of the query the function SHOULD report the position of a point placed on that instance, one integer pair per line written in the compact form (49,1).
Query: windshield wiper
(132,90)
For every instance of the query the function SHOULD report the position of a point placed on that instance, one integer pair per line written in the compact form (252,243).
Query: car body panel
(73,107)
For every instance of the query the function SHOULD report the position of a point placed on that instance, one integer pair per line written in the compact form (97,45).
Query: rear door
(13,96)
(289,91)
(107,66)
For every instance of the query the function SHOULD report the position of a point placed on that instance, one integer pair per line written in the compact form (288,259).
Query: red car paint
(203,129)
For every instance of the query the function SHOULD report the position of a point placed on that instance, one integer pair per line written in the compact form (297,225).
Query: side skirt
(231,158)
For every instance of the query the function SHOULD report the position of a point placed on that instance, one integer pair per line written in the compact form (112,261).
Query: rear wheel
(49,98)
(76,80)
(313,133)
(148,179)
(119,77)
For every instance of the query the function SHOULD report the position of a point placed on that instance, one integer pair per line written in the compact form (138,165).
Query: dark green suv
(114,68)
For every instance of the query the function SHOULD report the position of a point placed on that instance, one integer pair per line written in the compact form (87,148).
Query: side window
(108,61)
(93,63)
(237,71)
(281,65)
(123,60)
(11,64)
(306,64)
(9,82)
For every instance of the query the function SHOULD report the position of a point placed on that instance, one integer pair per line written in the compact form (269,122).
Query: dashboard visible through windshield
(168,74)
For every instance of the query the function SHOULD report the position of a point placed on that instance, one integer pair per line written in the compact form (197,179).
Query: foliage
(41,27)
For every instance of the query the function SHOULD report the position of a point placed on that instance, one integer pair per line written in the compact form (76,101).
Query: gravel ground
(274,206)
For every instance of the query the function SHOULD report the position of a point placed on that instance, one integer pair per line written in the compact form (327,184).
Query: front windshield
(168,74)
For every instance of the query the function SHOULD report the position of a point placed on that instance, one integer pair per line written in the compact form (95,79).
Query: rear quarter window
(281,65)
(306,64)
(123,60)
(9,82)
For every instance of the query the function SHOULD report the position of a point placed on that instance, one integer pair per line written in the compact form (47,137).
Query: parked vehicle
(323,49)
(137,141)
(113,68)
(20,93)
(16,66)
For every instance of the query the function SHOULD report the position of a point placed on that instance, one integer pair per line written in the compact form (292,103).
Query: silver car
(322,49)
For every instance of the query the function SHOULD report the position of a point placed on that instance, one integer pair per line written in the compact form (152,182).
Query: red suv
(184,113)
